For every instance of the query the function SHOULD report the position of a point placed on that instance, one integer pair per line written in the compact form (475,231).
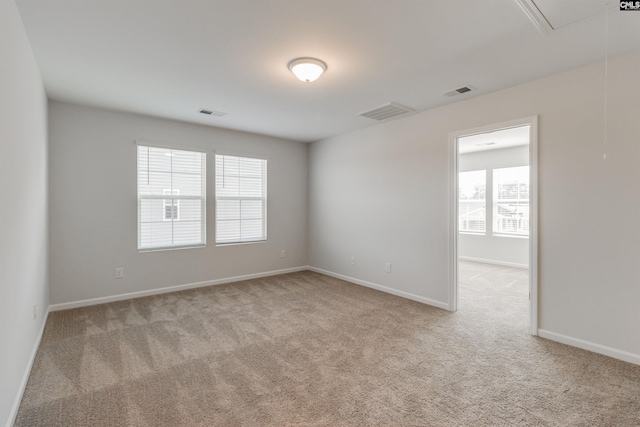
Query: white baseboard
(386,289)
(25,377)
(494,262)
(157,291)
(590,346)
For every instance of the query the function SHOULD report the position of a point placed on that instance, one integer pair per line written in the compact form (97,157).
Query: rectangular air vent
(386,111)
(214,113)
(458,91)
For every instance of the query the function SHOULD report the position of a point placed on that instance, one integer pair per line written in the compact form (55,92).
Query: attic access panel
(562,13)
(549,15)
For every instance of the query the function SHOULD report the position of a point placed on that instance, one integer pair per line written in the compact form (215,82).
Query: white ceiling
(171,58)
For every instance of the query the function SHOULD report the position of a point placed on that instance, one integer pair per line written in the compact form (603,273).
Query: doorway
(494,208)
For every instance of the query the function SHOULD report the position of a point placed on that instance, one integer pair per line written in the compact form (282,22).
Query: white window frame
(496,229)
(175,198)
(484,207)
(219,197)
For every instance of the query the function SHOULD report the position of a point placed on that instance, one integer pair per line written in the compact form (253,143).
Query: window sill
(510,236)
(171,248)
(240,243)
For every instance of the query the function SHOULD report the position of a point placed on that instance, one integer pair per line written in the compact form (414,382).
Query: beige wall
(93,209)
(23,214)
(382,194)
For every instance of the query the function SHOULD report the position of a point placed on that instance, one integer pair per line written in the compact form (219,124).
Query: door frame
(532,122)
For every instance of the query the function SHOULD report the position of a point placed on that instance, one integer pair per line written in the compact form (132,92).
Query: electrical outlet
(119,273)
(35,311)
(283,254)
(387,267)
(353,260)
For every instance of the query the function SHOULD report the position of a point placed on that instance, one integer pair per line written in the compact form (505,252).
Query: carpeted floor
(306,349)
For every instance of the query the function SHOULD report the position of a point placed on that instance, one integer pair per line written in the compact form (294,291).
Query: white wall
(382,194)
(497,249)
(93,207)
(23,215)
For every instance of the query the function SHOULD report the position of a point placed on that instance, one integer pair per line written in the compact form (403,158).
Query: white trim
(170,146)
(493,262)
(385,289)
(27,372)
(532,122)
(453,222)
(536,16)
(509,236)
(158,291)
(533,225)
(238,153)
(169,248)
(590,346)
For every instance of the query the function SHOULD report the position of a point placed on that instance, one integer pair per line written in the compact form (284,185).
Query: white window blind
(511,200)
(171,198)
(472,201)
(241,199)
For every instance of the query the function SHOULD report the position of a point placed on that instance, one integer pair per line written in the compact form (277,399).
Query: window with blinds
(472,201)
(241,199)
(511,200)
(171,198)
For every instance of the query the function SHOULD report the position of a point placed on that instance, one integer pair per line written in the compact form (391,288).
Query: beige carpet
(306,349)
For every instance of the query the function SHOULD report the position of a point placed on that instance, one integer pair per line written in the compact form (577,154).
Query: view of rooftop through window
(472,201)
(509,199)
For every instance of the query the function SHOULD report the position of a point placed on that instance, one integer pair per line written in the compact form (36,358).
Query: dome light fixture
(307,69)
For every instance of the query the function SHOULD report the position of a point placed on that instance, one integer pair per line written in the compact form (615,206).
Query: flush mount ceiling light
(307,69)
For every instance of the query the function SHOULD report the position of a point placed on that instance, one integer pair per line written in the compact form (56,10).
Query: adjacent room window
(171,198)
(171,206)
(511,201)
(241,199)
(472,201)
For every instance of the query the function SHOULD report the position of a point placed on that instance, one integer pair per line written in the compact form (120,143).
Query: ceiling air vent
(460,90)
(386,111)
(213,113)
